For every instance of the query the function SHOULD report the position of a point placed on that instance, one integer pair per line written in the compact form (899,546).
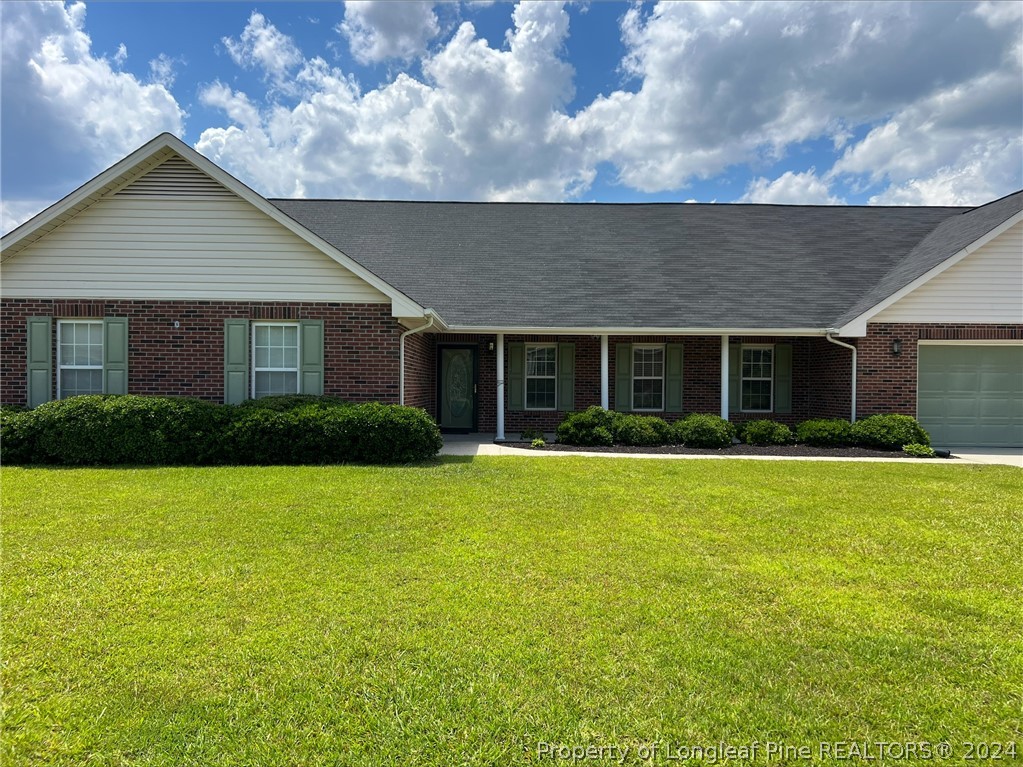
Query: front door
(457,387)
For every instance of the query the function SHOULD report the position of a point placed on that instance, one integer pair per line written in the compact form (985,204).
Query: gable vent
(175,178)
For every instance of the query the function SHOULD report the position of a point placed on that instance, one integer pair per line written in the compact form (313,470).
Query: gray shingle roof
(656,266)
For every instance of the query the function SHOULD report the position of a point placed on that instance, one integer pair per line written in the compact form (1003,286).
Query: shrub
(824,432)
(111,430)
(888,432)
(127,429)
(641,430)
(538,442)
(528,435)
(285,402)
(917,450)
(369,433)
(709,431)
(591,427)
(18,435)
(766,432)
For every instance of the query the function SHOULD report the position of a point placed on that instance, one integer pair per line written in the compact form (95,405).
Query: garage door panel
(971,395)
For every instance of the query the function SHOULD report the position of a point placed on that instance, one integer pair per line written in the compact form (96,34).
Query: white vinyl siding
(275,356)
(179,247)
(757,375)
(79,357)
(541,377)
(984,287)
(648,378)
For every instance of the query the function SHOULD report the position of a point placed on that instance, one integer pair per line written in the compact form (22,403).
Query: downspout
(401,353)
(828,335)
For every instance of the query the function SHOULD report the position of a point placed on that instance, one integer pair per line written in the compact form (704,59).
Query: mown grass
(465,612)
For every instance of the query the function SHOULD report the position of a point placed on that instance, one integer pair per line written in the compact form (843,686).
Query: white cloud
(68,113)
(263,46)
(791,189)
(378,30)
(14,213)
(482,125)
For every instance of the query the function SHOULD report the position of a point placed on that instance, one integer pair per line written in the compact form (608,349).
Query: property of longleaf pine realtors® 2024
(846,750)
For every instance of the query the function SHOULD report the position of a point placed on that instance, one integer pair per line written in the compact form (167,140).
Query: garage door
(971,396)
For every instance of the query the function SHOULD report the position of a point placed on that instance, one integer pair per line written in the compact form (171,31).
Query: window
(541,377)
(757,378)
(275,358)
(648,378)
(79,357)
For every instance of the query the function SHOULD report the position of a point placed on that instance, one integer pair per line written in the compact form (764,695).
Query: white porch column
(724,377)
(500,387)
(604,397)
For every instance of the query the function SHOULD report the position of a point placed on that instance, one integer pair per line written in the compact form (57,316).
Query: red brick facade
(886,382)
(360,344)
(361,358)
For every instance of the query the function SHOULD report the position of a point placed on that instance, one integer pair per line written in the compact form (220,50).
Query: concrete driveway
(1007,456)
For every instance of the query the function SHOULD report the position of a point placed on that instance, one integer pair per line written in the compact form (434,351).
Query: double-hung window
(541,377)
(648,377)
(757,378)
(79,357)
(275,355)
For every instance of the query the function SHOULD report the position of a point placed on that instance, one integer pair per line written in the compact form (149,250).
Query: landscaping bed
(781,451)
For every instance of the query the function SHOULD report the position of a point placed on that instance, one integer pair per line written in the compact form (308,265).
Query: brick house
(165,275)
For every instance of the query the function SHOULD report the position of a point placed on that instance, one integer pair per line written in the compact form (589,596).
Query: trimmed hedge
(765,432)
(824,432)
(103,430)
(704,431)
(888,432)
(588,428)
(641,430)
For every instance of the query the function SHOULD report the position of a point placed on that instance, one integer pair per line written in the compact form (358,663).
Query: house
(165,275)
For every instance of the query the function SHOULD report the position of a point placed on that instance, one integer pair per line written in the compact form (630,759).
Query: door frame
(475,349)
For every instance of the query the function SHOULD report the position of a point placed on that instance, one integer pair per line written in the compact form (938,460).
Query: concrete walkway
(483,444)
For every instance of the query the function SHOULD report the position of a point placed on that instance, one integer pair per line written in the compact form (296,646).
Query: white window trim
(526,377)
(743,378)
(297,370)
(60,365)
(633,378)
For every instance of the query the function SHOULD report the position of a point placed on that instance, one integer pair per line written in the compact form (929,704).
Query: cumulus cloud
(480,125)
(378,30)
(263,46)
(68,113)
(791,189)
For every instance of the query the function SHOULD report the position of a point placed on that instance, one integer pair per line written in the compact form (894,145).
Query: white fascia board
(639,331)
(401,305)
(858,325)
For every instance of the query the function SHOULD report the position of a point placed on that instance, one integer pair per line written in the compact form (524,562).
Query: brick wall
(886,383)
(360,344)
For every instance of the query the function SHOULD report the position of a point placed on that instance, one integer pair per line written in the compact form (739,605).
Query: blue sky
(815,103)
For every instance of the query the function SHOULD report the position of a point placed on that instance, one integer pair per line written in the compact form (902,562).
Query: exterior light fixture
(490,346)
(896,347)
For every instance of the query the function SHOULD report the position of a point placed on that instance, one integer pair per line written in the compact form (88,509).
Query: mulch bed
(793,451)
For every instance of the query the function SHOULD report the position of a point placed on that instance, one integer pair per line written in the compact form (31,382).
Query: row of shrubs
(599,427)
(105,430)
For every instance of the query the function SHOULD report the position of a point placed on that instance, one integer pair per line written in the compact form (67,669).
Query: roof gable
(193,174)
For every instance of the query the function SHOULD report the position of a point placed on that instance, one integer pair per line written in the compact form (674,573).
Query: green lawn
(468,612)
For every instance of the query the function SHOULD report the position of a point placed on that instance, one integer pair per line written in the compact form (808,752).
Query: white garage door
(971,396)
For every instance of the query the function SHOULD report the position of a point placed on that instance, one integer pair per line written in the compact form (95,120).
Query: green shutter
(623,377)
(311,365)
(734,378)
(115,355)
(783,378)
(566,377)
(40,360)
(236,361)
(673,378)
(516,384)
